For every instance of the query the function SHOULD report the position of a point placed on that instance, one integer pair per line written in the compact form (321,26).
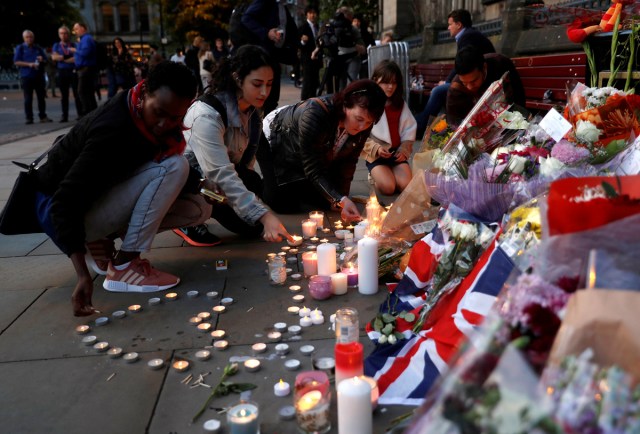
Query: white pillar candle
(318,217)
(326,259)
(359,230)
(308,228)
(367,266)
(339,283)
(354,407)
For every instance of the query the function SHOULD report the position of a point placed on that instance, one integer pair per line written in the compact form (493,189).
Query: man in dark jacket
(311,64)
(475,74)
(119,172)
(191,59)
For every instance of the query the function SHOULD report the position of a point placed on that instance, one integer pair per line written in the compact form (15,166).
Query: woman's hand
(81,297)
(273,228)
(383,152)
(349,210)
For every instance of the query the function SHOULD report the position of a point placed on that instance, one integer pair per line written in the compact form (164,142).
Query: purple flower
(569,153)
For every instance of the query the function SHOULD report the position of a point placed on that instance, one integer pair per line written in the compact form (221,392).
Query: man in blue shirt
(66,70)
(85,56)
(31,58)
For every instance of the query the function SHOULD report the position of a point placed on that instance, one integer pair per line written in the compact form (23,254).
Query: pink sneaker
(98,255)
(139,276)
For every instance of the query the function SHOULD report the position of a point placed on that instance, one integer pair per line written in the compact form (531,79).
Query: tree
(189,18)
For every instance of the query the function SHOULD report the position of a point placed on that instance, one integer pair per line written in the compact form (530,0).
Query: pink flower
(569,153)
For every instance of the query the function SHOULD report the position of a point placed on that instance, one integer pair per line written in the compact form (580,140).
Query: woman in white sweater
(390,144)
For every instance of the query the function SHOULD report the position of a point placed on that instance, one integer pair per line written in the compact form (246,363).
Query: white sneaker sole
(117,286)
(92,263)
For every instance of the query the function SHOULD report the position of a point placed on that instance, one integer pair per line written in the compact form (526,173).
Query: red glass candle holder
(349,360)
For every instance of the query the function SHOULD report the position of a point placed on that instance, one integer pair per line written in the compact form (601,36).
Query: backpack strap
(217,105)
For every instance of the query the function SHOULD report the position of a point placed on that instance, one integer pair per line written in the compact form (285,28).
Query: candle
(324,241)
(83,329)
(274,336)
(296,276)
(312,400)
(119,314)
(154,301)
(347,325)
(348,240)
(307,350)
(350,227)
(310,263)
(375,393)
(320,287)
(367,266)
(192,294)
(220,345)
(349,360)
(288,271)
(280,326)
(219,309)
(326,259)
(298,298)
(101,321)
(227,301)
(171,296)
(203,355)
(295,240)
(259,347)
(292,260)
(339,283)
(318,217)
(252,365)
(326,364)
(218,334)
(211,426)
(305,321)
(293,310)
(212,295)
(308,228)
(352,275)
(354,407)
(89,340)
(340,233)
(287,412)
(181,365)
(294,330)
(294,252)
(281,388)
(295,288)
(360,230)
(285,248)
(194,320)
(305,311)
(114,352)
(204,327)
(326,230)
(317,319)
(314,240)
(155,364)
(243,418)
(131,357)
(101,347)
(282,349)
(204,316)
(292,365)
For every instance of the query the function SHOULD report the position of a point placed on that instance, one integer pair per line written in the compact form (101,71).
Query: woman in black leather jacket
(312,148)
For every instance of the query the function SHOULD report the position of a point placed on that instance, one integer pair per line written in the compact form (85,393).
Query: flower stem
(211,396)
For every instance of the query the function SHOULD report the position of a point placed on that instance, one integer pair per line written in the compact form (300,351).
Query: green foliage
(190,18)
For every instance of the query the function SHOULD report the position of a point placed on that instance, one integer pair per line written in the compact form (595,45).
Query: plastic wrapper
(391,251)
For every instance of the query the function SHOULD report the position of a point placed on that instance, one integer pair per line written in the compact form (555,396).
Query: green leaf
(387,329)
(398,335)
(378,324)
(402,314)
(240,387)
(609,190)
(409,317)
(388,318)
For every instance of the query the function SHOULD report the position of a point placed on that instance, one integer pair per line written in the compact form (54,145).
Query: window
(123,10)
(143,16)
(108,24)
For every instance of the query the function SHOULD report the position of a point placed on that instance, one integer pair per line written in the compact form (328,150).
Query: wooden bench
(545,77)
(432,74)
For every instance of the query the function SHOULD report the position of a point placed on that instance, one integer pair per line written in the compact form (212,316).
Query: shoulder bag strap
(34,164)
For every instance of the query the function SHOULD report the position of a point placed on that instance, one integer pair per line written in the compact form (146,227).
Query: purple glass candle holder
(320,287)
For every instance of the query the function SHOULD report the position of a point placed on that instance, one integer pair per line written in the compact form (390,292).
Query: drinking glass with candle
(347,325)
(339,283)
(318,217)
(310,263)
(243,418)
(309,228)
(312,401)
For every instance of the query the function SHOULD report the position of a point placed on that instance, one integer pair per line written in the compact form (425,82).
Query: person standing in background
(360,23)
(30,58)
(85,56)
(311,63)
(66,74)
(121,73)
(192,61)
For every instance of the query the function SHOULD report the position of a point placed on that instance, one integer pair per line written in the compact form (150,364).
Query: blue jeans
(437,101)
(29,84)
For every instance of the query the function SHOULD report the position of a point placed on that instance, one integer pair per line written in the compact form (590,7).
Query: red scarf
(174,142)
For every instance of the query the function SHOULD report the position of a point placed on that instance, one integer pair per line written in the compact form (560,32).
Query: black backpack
(239,33)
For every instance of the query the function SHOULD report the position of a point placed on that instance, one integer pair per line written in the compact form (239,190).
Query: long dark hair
(230,72)
(388,71)
(362,93)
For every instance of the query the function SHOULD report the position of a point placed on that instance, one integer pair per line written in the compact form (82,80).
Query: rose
(517,164)
(468,232)
(586,132)
(550,167)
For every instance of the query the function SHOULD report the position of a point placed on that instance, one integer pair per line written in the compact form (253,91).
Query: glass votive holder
(310,263)
(309,228)
(320,287)
(318,217)
(351,270)
(312,401)
(243,418)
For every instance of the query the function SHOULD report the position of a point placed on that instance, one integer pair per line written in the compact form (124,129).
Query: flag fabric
(406,370)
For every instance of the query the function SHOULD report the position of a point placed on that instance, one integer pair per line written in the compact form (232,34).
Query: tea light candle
(131,357)
(114,352)
(154,301)
(307,349)
(282,349)
(282,254)
(252,365)
(292,260)
(314,240)
(295,240)
(288,271)
(326,230)
(311,247)
(323,240)
(287,412)
(218,334)
(212,295)
(171,296)
(285,248)
(280,326)
(294,252)
(349,228)
(243,418)
(324,364)
(352,275)
(281,388)
(181,365)
(368,266)
(317,319)
(203,355)
(89,340)
(354,406)
(194,320)
(339,283)
(155,364)
(227,301)
(192,294)
(308,228)
(298,298)
(305,321)
(294,330)
(292,365)
(101,346)
(204,316)
(103,320)
(219,309)
(274,336)
(134,308)
(83,329)
(295,288)
(220,345)
(258,348)
(118,314)
(211,426)
(340,233)
(326,259)
(305,311)
(293,310)
(204,327)
(310,263)
(318,217)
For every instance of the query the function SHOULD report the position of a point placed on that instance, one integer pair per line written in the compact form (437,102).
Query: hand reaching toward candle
(273,228)
(349,210)
(81,297)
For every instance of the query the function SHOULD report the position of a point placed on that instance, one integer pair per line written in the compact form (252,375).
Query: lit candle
(293,310)
(309,228)
(294,252)
(352,275)
(252,365)
(155,364)
(203,355)
(326,230)
(298,298)
(310,263)
(181,365)
(354,407)
(338,226)
(317,319)
(259,347)
(350,227)
(375,393)
(324,241)
(295,288)
(305,321)
(114,352)
(219,309)
(243,418)
(204,316)
(101,347)
(360,230)
(281,388)
(339,283)
(171,296)
(312,411)
(285,248)
(318,217)
(349,360)
(83,329)
(204,327)
(368,266)
(314,240)
(295,240)
(131,357)
(274,336)
(220,345)
(194,320)
(326,259)
(218,334)
(305,311)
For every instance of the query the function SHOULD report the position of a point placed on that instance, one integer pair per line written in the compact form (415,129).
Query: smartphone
(213,195)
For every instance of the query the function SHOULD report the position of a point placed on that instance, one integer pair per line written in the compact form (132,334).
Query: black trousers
(29,85)
(87,89)
(67,79)
(310,78)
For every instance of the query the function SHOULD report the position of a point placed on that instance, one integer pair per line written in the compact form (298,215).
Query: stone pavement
(51,382)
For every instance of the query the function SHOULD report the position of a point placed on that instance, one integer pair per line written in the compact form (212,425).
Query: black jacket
(302,140)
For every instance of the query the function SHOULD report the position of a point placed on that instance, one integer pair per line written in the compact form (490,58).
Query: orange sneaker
(139,276)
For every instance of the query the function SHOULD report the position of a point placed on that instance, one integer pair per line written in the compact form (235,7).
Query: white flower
(456,227)
(586,132)
(468,232)
(550,167)
(512,121)
(382,339)
(517,164)
(392,339)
